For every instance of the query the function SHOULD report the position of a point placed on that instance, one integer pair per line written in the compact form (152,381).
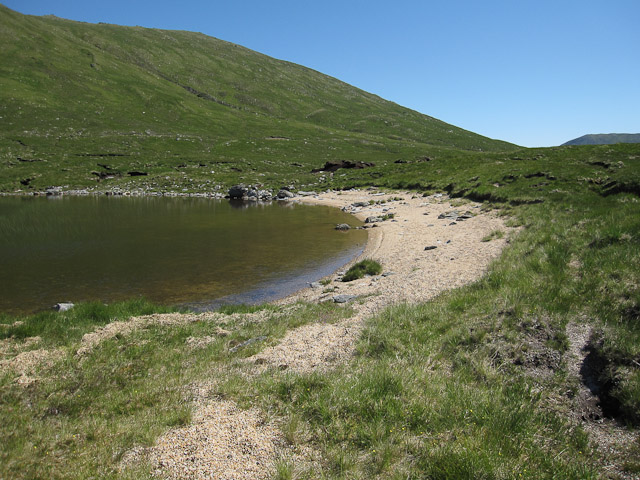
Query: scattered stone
(388,274)
(448,215)
(63,307)
(360,204)
(315,285)
(343,226)
(53,190)
(373,220)
(343,298)
(430,247)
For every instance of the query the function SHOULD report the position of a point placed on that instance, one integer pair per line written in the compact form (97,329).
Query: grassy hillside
(179,105)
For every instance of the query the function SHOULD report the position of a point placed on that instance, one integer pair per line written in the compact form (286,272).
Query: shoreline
(429,246)
(384,240)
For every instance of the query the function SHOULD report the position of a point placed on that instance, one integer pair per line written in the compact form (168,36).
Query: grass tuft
(360,269)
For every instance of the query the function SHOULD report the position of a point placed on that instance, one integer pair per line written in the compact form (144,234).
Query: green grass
(362,268)
(191,111)
(493,235)
(64,328)
(82,415)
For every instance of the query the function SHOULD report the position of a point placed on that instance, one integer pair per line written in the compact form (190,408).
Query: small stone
(343,298)
(63,307)
(430,247)
(343,226)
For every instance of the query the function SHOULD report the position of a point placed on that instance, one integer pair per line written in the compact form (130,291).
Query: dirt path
(611,438)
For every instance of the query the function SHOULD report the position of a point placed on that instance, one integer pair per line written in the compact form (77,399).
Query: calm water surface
(191,251)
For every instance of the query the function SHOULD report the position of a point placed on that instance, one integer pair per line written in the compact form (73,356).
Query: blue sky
(535,73)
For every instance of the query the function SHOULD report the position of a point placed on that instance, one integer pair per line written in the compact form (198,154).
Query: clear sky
(535,73)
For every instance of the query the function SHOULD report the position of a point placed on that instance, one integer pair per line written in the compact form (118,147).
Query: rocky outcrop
(333,166)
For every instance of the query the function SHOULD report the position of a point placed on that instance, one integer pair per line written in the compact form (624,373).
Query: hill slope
(72,92)
(605,139)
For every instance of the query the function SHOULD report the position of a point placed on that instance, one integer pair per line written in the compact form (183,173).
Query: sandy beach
(413,271)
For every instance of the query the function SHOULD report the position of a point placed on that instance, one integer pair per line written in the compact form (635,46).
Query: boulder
(238,191)
(285,194)
(373,220)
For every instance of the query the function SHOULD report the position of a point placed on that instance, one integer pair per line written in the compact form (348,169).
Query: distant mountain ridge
(605,139)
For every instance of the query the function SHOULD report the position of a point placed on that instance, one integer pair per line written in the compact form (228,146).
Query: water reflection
(171,250)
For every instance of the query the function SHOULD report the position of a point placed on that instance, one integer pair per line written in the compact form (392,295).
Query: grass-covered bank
(84,411)
(475,384)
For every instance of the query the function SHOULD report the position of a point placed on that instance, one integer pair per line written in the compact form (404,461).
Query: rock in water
(343,226)
(63,307)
